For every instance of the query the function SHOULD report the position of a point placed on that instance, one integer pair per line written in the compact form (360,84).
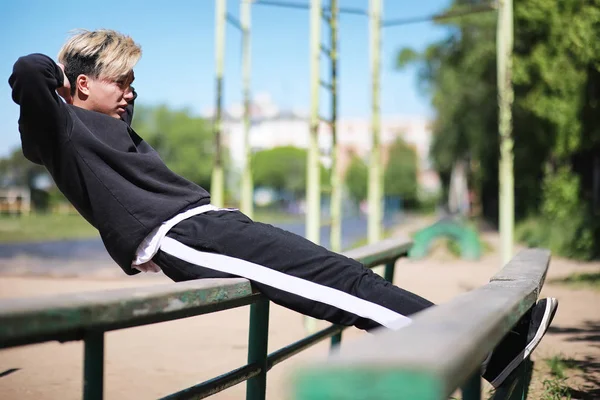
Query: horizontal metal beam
(216,385)
(441,17)
(407,362)
(326,85)
(306,6)
(234,21)
(288,351)
(65,317)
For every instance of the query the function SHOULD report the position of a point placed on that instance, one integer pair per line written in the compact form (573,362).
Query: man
(151,219)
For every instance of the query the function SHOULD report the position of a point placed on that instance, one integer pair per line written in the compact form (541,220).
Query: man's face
(110,96)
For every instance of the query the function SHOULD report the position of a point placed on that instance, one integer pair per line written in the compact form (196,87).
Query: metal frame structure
(330,14)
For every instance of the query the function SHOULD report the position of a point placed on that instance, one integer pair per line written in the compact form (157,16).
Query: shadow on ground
(590,332)
(588,366)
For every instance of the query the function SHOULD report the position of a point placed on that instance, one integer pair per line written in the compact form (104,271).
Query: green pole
(504,50)
(336,178)
(375,165)
(93,365)
(313,181)
(258,341)
(313,189)
(247,203)
(217,185)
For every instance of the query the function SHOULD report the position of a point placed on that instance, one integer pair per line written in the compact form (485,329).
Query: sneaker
(516,347)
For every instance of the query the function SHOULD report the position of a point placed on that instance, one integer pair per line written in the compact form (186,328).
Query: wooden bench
(87,316)
(440,352)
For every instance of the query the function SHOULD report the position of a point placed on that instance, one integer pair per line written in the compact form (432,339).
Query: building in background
(271,127)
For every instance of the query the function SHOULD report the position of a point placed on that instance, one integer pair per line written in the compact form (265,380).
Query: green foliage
(184,141)
(356,179)
(556,131)
(284,169)
(400,174)
(46,226)
(281,168)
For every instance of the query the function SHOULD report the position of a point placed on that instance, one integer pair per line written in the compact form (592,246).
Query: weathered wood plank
(432,357)
(27,317)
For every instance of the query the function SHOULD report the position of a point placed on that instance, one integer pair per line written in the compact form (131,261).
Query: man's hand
(65,90)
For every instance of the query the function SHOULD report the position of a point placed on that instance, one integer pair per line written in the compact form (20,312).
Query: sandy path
(153,361)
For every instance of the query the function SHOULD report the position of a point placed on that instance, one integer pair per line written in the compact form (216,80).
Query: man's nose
(128,93)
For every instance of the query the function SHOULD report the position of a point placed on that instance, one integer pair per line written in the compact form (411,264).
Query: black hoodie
(116,181)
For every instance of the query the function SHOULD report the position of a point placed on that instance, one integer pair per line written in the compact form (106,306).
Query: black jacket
(116,181)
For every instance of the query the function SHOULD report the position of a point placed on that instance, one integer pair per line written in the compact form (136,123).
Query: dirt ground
(153,361)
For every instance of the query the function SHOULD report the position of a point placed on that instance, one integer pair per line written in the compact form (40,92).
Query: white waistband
(150,245)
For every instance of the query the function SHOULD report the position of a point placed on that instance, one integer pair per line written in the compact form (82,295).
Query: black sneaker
(516,345)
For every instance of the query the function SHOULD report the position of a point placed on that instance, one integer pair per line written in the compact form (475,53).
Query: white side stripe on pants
(288,283)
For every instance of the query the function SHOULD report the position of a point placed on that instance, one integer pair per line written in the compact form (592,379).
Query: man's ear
(82,83)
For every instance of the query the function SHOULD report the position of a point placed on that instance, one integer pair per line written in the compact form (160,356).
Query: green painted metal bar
(472,389)
(258,339)
(217,185)
(335,235)
(313,170)
(375,188)
(389,271)
(305,6)
(234,21)
(326,85)
(247,190)
(288,351)
(216,385)
(504,49)
(441,17)
(313,183)
(335,341)
(93,365)
(286,4)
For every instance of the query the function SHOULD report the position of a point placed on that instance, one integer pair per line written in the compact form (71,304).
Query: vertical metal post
(217,179)
(504,48)
(375,192)
(472,389)
(389,271)
(258,340)
(247,203)
(336,178)
(335,340)
(313,183)
(313,170)
(93,366)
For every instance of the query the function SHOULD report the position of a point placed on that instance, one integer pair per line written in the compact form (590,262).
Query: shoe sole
(549,312)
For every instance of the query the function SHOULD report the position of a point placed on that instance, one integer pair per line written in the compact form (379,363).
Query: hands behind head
(65,90)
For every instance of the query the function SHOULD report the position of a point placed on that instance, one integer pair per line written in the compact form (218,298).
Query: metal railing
(441,351)
(87,316)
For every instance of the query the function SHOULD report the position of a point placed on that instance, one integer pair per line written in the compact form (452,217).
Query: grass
(54,226)
(44,227)
(590,280)
(555,387)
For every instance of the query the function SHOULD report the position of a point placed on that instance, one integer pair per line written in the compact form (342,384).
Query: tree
(356,178)
(183,141)
(555,126)
(400,174)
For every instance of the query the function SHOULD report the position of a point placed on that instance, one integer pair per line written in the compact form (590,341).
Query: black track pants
(288,269)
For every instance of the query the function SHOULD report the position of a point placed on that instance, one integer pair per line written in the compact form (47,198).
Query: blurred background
(438,119)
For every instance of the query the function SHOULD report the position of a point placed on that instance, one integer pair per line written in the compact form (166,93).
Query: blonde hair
(104,53)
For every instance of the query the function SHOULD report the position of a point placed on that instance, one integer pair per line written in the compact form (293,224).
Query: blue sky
(178,62)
